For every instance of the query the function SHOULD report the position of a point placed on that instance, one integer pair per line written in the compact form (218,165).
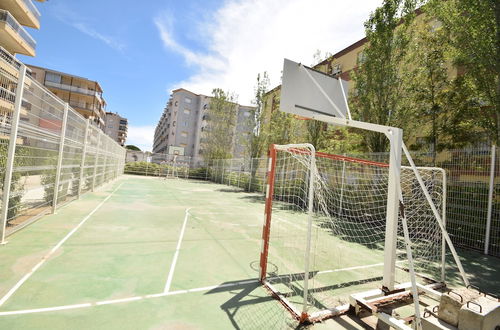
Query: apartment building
(14,39)
(14,15)
(116,127)
(186,116)
(82,94)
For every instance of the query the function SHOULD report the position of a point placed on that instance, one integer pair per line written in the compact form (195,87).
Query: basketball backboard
(306,92)
(178,151)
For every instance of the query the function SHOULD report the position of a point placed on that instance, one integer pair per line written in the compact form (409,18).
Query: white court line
(123,300)
(176,254)
(54,249)
(349,268)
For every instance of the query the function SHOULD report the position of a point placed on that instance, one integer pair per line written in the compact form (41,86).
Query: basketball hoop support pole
(395,136)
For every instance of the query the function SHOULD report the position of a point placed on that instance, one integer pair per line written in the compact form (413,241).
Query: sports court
(147,253)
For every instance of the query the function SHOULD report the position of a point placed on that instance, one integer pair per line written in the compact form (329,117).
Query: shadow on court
(252,307)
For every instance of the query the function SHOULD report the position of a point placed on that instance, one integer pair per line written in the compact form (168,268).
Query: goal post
(326,224)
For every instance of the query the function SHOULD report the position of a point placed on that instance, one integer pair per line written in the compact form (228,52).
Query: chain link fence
(49,154)
(473,185)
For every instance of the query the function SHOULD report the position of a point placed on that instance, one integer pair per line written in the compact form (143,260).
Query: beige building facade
(14,16)
(116,127)
(82,94)
(181,127)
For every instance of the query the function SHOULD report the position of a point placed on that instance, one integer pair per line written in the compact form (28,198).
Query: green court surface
(149,253)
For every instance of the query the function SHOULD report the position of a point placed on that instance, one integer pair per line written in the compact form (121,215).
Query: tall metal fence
(49,154)
(473,185)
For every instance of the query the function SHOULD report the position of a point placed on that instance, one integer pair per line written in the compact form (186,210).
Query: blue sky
(140,50)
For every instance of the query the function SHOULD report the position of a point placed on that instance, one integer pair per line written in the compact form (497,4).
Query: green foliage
(379,76)
(426,84)
(222,120)
(16,187)
(143,168)
(258,141)
(342,141)
(472,30)
(132,147)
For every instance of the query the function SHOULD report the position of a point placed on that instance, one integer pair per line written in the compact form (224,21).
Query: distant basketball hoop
(301,118)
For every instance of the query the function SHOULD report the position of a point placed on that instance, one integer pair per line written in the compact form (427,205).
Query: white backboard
(306,91)
(176,151)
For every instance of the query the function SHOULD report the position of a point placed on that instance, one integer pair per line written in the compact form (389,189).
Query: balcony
(24,11)
(9,63)
(14,37)
(84,106)
(74,89)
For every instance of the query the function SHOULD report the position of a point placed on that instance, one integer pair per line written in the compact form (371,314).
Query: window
(187,100)
(187,111)
(361,57)
(52,77)
(175,104)
(184,134)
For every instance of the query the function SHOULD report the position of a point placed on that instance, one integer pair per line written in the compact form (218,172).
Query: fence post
(96,159)
(82,164)
(105,163)
(60,157)
(250,176)
(490,200)
(9,165)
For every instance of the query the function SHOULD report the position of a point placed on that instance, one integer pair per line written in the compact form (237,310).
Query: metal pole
(443,215)
(82,164)
(250,178)
(96,159)
(9,166)
(310,205)
(222,171)
(342,185)
(391,227)
(105,171)
(490,200)
(60,157)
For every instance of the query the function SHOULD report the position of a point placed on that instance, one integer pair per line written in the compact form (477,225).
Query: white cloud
(111,42)
(62,12)
(243,38)
(141,136)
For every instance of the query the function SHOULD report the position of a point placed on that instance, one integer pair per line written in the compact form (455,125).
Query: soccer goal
(325,229)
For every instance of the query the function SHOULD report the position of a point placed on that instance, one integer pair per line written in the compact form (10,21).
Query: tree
(473,32)
(132,147)
(219,133)
(426,83)
(379,76)
(257,141)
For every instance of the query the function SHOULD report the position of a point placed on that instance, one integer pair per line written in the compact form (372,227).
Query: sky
(139,51)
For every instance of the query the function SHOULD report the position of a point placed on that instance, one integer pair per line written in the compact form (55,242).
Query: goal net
(325,229)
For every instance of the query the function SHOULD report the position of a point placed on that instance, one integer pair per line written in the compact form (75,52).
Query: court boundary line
(154,295)
(176,254)
(54,249)
(123,300)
